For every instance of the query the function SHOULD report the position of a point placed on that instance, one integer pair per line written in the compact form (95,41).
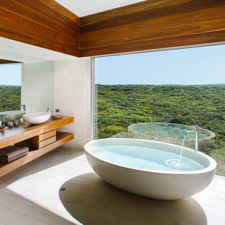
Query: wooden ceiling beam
(153,25)
(148,25)
(43,23)
(5,61)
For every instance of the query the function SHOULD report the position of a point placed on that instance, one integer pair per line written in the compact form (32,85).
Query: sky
(10,74)
(199,65)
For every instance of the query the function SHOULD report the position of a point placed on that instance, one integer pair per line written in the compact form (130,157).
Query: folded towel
(56,117)
(4,159)
(12,151)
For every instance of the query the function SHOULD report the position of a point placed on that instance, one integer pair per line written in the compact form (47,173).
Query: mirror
(37,71)
(29,84)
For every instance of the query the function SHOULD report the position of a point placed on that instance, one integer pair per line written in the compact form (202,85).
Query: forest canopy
(10,97)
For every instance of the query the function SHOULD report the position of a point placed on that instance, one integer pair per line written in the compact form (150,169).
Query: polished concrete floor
(61,188)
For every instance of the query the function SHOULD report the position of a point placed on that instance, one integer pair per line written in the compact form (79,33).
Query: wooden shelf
(26,131)
(61,138)
(41,138)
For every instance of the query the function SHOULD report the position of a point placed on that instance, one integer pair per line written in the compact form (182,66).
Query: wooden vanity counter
(41,139)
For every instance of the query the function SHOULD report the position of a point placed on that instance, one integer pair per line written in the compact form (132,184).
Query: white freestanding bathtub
(140,167)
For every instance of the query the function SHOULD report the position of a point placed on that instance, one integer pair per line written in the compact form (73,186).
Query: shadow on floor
(96,202)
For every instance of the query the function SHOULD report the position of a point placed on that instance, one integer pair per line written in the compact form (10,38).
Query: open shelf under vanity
(40,139)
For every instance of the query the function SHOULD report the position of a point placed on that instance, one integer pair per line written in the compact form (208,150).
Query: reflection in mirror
(28,84)
(36,73)
(10,87)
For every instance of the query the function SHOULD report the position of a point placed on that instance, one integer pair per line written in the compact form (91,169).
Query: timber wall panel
(153,25)
(41,23)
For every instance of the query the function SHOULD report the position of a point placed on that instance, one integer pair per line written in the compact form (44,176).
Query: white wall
(37,85)
(72,91)
(65,85)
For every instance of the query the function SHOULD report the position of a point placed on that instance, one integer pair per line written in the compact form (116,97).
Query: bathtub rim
(212,163)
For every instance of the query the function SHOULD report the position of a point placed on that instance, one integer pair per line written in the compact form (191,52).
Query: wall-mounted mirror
(26,76)
(27,83)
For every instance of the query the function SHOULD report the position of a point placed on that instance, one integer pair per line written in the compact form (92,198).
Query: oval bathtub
(141,167)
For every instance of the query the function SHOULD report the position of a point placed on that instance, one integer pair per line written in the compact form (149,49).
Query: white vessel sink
(37,118)
(12,115)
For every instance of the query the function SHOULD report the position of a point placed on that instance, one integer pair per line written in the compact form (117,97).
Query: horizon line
(169,84)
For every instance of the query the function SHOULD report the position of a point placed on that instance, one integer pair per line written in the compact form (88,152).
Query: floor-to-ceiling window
(10,87)
(160,95)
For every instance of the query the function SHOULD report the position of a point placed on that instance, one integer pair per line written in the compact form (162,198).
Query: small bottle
(16,123)
(3,122)
(10,124)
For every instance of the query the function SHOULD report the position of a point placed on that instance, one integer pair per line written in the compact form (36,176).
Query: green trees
(10,98)
(123,105)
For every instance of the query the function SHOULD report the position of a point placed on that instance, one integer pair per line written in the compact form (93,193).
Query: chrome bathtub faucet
(196,136)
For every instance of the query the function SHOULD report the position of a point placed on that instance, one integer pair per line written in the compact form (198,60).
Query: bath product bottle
(16,122)
(3,122)
(10,124)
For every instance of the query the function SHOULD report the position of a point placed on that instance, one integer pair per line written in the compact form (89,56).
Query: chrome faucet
(23,107)
(48,108)
(196,136)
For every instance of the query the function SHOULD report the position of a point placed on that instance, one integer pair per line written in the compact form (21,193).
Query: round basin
(37,118)
(12,115)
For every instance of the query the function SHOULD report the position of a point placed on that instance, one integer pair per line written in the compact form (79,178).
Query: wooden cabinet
(40,139)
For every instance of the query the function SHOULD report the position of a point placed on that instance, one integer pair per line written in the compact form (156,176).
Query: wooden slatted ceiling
(149,25)
(41,23)
(153,25)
